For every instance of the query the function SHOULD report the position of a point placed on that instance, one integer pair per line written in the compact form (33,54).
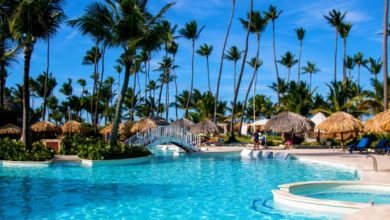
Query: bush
(100,150)
(16,151)
(70,145)
(274,140)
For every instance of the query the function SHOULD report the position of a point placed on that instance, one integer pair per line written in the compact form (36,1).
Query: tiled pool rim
(285,196)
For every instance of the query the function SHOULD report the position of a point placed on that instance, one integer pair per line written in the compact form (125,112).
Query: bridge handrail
(148,137)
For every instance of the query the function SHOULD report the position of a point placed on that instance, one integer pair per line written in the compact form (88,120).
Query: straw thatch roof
(206,127)
(45,127)
(124,129)
(386,125)
(72,127)
(289,122)
(10,129)
(147,123)
(340,122)
(374,124)
(184,123)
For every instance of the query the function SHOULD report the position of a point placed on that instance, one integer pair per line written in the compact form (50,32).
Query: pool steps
(258,154)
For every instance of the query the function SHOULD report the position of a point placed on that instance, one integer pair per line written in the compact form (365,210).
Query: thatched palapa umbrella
(10,129)
(206,127)
(45,127)
(124,129)
(184,123)
(72,127)
(375,124)
(341,123)
(148,123)
(290,123)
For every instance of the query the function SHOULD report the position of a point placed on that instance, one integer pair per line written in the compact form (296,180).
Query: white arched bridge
(166,135)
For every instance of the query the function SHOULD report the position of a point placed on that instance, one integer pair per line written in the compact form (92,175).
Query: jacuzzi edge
(283,197)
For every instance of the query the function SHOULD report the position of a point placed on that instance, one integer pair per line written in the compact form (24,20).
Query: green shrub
(100,150)
(16,151)
(70,145)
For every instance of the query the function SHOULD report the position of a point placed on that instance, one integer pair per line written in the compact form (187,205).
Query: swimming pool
(219,186)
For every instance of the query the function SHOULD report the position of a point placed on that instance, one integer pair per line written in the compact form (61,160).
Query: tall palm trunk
(250,86)
(46,79)
(159,98)
(99,90)
(275,63)
(288,74)
(174,73)
(299,61)
(118,111)
(235,74)
(2,70)
(192,79)
(385,26)
(335,56)
(26,138)
(359,74)
(310,75)
(345,60)
(208,74)
(94,84)
(167,101)
(236,90)
(222,59)
(134,94)
(146,80)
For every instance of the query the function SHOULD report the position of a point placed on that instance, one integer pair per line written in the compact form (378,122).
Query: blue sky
(68,46)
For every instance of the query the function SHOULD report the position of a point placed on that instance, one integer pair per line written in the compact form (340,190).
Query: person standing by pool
(256,141)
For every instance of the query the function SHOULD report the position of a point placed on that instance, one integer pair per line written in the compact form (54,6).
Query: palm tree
(205,51)
(130,15)
(374,67)
(288,60)
(43,86)
(272,14)
(385,34)
(7,53)
(222,59)
(359,61)
(310,69)
(257,26)
(97,22)
(236,90)
(172,49)
(349,64)
(300,35)
(335,19)
(29,22)
(344,31)
(234,54)
(191,32)
(255,64)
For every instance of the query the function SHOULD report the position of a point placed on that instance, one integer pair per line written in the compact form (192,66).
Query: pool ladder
(374,161)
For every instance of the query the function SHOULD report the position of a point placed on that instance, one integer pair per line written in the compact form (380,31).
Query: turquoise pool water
(363,197)
(186,187)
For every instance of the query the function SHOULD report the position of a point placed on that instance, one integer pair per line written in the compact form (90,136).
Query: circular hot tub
(331,197)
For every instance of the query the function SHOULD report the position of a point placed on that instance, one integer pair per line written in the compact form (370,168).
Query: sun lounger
(381,146)
(363,144)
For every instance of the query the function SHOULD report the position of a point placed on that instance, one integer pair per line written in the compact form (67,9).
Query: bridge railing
(173,132)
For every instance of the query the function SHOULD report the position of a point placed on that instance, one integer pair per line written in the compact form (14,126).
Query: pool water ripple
(187,187)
